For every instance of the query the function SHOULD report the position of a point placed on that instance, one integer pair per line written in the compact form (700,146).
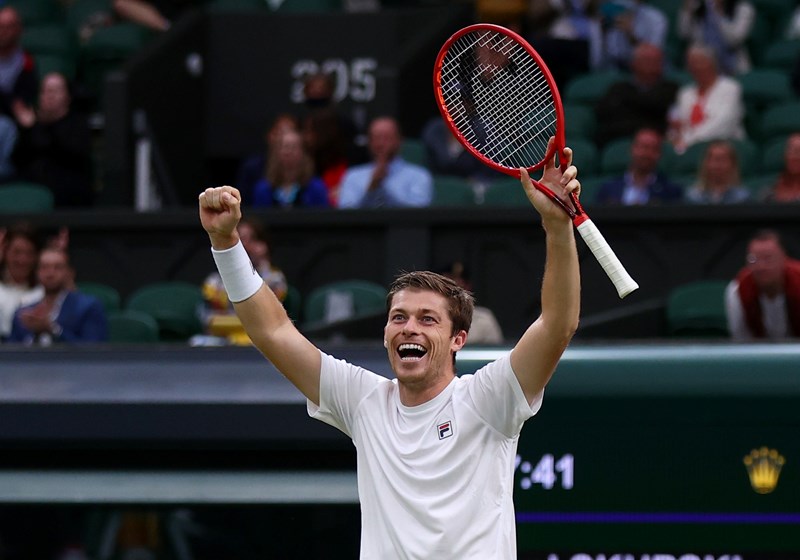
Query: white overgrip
(607,259)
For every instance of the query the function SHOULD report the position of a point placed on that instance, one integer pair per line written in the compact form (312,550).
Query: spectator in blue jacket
(642,183)
(388,180)
(63,314)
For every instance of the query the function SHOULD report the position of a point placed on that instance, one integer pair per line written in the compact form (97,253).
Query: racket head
(499,99)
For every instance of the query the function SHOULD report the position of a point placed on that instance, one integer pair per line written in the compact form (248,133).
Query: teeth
(411,347)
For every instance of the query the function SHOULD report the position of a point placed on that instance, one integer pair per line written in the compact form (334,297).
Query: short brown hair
(461,302)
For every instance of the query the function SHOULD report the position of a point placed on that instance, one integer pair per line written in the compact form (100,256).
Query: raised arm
(535,356)
(262,315)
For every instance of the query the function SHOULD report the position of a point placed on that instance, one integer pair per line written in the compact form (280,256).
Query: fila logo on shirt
(445,429)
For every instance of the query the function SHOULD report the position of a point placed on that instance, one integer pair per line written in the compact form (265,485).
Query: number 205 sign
(354,79)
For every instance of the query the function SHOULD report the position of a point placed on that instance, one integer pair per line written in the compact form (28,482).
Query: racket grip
(607,259)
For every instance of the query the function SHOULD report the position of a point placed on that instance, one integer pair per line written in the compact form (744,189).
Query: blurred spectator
(568,36)
(793,27)
(290,181)
(642,183)
(63,314)
(388,180)
(328,146)
(54,146)
(18,81)
(787,187)
(718,180)
(642,101)
(763,301)
(446,155)
(19,252)
(485,328)
(254,167)
(319,94)
(217,306)
(629,23)
(157,15)
(723,25)
(709,108)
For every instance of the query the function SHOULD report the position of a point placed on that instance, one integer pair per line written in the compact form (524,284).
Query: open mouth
(411,352)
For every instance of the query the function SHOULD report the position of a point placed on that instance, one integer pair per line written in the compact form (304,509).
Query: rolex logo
(763,467)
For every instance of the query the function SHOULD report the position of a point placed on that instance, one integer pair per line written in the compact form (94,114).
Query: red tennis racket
(500,100)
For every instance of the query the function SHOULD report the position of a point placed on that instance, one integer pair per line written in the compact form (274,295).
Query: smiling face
(420,341)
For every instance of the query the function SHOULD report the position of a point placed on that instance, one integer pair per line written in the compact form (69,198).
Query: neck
(415,394)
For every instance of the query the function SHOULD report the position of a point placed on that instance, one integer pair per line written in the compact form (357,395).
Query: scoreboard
(659,453)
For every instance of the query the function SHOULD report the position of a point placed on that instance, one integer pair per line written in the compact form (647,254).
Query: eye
(397,317)
(428,319)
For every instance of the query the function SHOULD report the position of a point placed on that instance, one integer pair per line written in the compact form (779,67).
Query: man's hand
(560,183)
(36,319)
(220,212)
(23,114)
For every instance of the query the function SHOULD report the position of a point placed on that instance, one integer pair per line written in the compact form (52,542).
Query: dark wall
(253,66)
(503,248)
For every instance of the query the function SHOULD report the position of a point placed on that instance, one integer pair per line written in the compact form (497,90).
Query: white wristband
(239,276)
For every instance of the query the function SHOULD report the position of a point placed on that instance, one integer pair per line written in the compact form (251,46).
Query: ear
(385,343)
(459,340)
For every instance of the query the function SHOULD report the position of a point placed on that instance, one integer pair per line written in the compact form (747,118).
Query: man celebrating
(435,452)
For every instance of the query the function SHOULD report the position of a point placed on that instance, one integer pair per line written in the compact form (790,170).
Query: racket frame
(576,213)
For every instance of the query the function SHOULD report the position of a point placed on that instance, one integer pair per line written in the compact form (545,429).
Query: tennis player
(435,452)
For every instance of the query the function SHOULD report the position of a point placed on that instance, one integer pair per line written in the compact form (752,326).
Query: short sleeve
(498,398)
(342,387)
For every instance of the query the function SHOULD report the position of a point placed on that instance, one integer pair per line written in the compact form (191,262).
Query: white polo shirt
(434,480)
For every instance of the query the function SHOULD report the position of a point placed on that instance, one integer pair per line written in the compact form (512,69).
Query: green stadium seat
(506,191)
(49,38)
(781,55)
(25,197)
(585,155)
(779,121)
(47,63)
(79,12)
(615,156)
(106,50)
(174,305)
(697,309)
(293,303)
(108,295)
(129,326)
(587,89)
(37,11)
(760,36)
(413,151)
(763,87)
(579,121)
(772,155)
(342,301)
(689,161)
(452,191)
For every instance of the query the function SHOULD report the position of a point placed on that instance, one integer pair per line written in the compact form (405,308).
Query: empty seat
(174,305)
(128,325)
(37,11)
(108,295)
(25,197)
(697,309)
(779,121)
(344,300)
(452,191)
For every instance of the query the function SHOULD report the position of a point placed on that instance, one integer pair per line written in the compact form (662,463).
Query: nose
(410,326)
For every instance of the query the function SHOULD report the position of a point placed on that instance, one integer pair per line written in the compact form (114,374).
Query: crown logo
(763,467)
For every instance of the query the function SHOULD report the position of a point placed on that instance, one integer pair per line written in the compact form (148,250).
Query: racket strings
(498,98)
